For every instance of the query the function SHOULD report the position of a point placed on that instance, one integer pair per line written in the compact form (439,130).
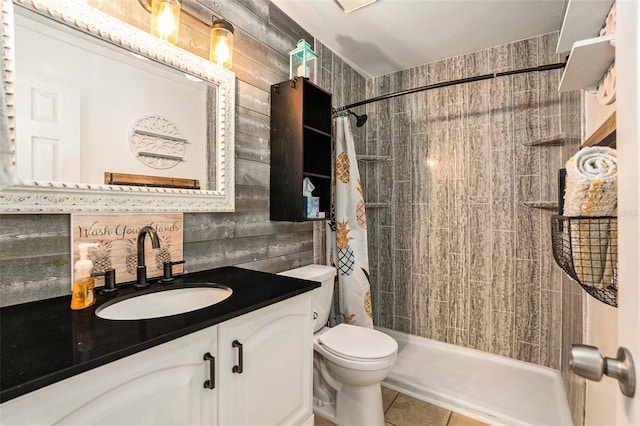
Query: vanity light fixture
(302,61)
(221,51)
(165,19)
(146,4)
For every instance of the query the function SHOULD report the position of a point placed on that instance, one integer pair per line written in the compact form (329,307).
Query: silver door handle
(587,362)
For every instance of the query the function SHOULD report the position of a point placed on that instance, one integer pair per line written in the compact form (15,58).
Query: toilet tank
(322,295)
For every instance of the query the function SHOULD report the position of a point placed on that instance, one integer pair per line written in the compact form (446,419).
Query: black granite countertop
(44,342)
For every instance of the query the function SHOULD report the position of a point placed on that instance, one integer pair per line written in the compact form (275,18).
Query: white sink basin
(164,303)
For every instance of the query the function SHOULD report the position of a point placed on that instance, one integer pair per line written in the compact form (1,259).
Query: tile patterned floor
(403,410)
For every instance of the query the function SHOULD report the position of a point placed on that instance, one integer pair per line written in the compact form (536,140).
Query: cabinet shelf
(313,129)
(548,141)
(300,148)
(588,61)
(317,175)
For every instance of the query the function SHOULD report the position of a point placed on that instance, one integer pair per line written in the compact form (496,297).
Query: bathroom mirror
(160,111)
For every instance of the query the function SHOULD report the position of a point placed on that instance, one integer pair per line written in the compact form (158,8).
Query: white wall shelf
(587,63)
(582,20)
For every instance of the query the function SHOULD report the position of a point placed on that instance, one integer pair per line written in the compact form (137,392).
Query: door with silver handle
(587,362)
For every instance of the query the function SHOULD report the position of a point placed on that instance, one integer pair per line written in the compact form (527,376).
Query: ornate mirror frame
(61,197)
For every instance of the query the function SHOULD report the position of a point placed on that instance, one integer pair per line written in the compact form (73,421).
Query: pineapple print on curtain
(347,234)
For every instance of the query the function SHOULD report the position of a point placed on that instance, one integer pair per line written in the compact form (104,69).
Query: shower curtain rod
(451,83)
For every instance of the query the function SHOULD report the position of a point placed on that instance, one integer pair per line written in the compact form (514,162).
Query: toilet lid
(350,341)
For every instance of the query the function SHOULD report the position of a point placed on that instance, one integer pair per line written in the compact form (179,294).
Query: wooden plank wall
(35,249)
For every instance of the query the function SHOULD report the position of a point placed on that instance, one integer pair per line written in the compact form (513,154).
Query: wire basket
(586,248)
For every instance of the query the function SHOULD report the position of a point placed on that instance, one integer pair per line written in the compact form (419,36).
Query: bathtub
(490,388)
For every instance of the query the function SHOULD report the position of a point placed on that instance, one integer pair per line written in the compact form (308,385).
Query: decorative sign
(157,142)
(116,236)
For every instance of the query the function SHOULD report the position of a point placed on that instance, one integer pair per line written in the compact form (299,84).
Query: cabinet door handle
(238,368)
(211,383)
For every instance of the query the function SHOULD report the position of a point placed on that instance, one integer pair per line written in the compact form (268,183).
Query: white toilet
(349,361)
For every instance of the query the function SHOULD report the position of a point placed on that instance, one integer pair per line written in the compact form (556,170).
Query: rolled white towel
(591,183)
(591,190)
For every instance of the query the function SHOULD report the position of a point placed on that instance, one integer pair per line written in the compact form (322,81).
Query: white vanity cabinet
(272,385)
(164,385)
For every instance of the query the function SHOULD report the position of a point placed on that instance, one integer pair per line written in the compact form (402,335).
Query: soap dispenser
(83,294)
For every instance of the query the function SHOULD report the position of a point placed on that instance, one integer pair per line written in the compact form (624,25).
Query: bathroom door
(628,145)
(48,111)
(48,130)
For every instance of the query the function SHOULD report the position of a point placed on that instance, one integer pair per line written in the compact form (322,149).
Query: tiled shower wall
(455,255)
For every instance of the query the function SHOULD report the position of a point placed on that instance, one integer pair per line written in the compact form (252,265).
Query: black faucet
(141,271)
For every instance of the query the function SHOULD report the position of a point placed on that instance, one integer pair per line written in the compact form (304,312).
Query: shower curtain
(347,234)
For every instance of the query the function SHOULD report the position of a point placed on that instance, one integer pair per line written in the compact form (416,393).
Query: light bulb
(165,20)
(166,23)
(221,51)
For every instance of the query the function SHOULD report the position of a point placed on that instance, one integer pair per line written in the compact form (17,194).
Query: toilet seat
(358,343)
(356,347)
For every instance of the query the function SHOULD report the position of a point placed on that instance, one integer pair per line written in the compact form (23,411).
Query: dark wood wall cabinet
(300,147)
